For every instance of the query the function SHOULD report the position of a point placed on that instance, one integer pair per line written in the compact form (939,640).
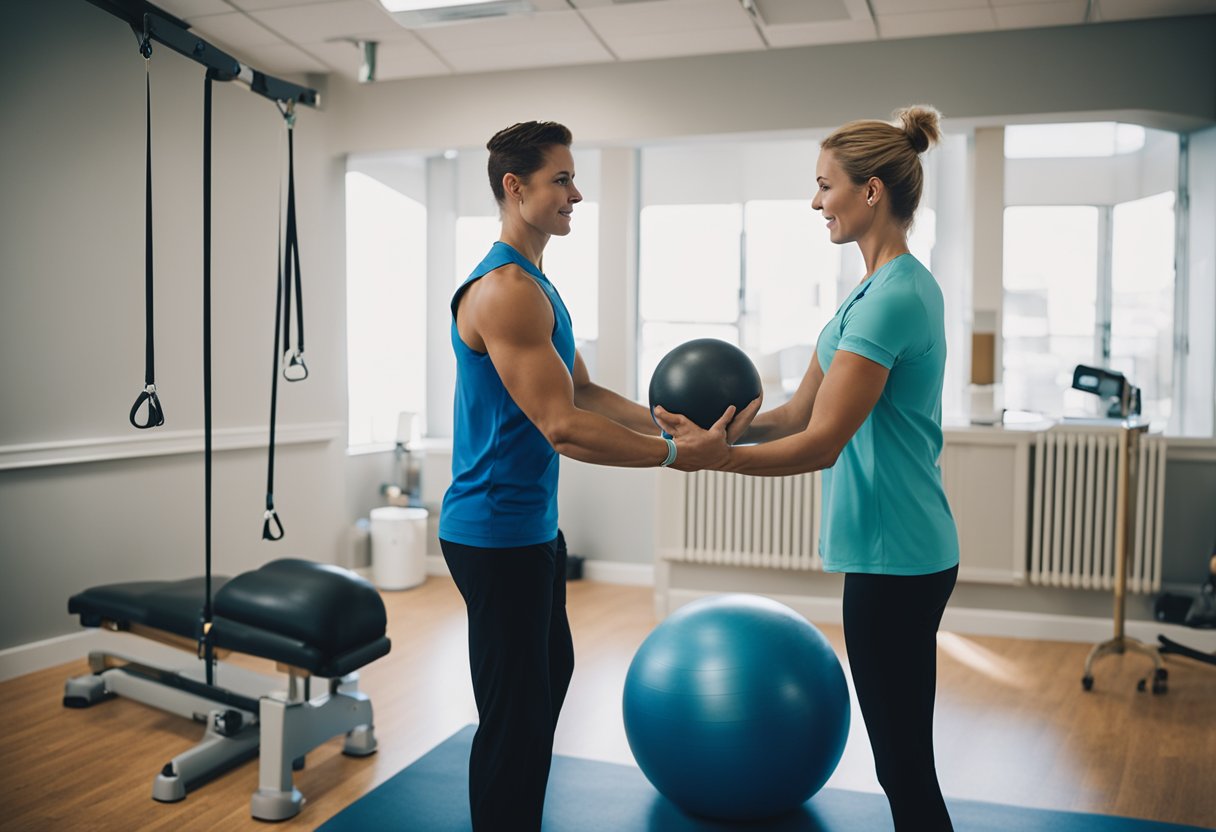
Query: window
(1142,299)
(385,308)
(1071,141)
(688,276)
(1051,270)
(571,262)
(1091,282)
(763,275)
(790,273)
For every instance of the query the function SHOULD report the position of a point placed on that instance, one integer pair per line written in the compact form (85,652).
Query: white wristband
(671,452)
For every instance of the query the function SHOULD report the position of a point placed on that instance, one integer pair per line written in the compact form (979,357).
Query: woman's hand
(697,448)
(743,420)
(678,425)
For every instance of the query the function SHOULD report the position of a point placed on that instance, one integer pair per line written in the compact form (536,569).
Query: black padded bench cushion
(323,619)
(173,606)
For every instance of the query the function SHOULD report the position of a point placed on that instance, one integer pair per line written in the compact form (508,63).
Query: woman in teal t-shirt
(868,412)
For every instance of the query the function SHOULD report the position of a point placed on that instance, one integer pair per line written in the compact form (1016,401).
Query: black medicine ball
(701,378)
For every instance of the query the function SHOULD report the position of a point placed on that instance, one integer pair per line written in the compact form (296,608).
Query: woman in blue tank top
(868,412)
(523,397)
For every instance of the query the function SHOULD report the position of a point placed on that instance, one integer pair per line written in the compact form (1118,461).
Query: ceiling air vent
(416,14)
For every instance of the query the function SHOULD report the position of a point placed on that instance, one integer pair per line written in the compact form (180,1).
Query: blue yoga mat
(587,796)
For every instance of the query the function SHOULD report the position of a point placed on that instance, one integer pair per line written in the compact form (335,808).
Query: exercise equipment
(1124,401)
(311,619)
(736,708)
(290,359)
(148,396)
(701,378)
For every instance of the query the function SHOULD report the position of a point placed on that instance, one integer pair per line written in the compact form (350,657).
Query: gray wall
(1163,70)
(72,312)
(71,236)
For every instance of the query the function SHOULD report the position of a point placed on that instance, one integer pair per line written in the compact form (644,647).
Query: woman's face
(549,196)
(842,203)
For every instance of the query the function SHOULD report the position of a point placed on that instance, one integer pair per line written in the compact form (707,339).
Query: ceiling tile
(886,7)
(511,57)
(999,3)
(235,29)
(408,60)
(1032,15)
(1137,9)
(668,44)
(394,59)
(669,28)
(325,21)
(935,23)
(284,58)
(189,9)
(816,34)
(791,12)
(539,39)
(259,5)
(537,33)
(666,16)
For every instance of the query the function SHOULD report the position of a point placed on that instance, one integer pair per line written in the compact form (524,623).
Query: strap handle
(156,413)
(294,368)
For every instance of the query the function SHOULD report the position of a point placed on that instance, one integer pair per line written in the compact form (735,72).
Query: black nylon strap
(294,368)
(272,527)
(156,414)
(205,645)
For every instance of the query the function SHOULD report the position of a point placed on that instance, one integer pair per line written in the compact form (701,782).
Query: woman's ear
(874,190)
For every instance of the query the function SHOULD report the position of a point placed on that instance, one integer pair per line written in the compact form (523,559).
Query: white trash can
(399,537)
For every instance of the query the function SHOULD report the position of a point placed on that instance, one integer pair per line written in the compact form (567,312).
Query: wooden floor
(1013,727)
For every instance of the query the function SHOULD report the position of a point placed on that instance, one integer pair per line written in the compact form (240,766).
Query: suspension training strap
(206,651)
(156,414)
(294,368)
(272,526)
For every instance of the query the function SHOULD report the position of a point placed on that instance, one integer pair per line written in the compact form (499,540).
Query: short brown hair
(871,148)
(520,149)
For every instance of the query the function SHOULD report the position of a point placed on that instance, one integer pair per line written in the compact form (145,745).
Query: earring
(870,201)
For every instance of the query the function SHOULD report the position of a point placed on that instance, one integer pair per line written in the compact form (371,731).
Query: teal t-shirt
(884,510)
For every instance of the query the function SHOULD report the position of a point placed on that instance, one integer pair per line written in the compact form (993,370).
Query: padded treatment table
(311,619)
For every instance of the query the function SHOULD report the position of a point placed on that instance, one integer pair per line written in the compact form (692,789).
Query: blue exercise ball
(736,708)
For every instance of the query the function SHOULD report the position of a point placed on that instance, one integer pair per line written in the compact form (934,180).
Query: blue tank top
(504,471)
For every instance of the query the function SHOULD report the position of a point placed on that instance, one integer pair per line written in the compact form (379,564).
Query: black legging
(522,658)
(890,629)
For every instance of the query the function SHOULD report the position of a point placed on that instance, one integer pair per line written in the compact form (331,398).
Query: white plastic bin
(399,538)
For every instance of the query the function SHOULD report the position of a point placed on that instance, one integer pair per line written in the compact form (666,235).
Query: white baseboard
(605,571)
(28,658)
(616,572)
(981,622)
(39,655)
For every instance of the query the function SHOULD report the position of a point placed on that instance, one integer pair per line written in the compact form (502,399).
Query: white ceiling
(298,36)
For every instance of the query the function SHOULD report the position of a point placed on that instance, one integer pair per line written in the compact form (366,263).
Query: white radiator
(1073,510)
(735,520)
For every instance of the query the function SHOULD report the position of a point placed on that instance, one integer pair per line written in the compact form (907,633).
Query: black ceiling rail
(158,25)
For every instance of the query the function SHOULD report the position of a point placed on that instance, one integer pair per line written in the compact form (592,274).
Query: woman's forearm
(795,454)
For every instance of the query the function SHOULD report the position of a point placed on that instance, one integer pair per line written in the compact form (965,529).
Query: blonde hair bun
(922,126)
